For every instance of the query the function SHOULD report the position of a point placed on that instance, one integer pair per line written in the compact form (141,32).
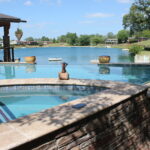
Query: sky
(53,18)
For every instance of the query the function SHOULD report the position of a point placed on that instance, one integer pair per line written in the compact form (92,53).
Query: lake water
(79,66)
(72,55)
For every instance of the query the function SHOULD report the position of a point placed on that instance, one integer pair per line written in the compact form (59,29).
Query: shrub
(135,49)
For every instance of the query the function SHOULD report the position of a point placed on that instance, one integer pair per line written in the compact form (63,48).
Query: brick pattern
(125,126)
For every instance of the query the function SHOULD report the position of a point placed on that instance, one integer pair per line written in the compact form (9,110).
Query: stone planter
(30,59)
(19,35)
(104,59)
(63,76)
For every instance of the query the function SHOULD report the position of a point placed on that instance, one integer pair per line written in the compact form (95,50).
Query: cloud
(99,15)
(28,3)
(124,1)
(58,2)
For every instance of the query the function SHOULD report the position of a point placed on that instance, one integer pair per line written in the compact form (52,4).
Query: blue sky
(53,18)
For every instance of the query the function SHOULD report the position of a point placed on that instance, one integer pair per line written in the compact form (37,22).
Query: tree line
(136,25)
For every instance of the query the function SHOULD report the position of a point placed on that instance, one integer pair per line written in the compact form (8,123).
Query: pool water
(128,73)
(79,66)
(19,101)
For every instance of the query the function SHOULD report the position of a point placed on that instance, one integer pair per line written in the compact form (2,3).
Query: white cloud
(124,1)
(28,3)
(58,2)
(99,15)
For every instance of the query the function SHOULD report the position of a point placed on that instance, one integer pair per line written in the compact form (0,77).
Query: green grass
(145,53)
(144,43)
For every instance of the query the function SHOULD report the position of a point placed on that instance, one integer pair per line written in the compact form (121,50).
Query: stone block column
(6,43)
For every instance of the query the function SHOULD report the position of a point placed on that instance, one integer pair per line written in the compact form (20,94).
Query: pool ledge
(29,128)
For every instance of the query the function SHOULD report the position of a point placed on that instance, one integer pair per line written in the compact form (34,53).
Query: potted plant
(30,59)
(19,34)
(104,59)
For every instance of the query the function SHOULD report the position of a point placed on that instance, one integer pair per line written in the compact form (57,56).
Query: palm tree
(19,34)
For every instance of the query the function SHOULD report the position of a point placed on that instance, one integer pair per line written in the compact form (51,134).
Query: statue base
(63,76)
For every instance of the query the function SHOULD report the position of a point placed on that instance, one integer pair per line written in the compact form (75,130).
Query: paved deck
(25,129)
(14,63)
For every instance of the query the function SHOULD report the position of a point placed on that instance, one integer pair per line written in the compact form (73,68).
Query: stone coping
(14,63)
(120,64)
(28,128)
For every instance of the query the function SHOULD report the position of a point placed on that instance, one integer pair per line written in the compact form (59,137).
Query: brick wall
(125,126)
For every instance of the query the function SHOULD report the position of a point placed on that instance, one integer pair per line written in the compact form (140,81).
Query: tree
(54,40)
(145,33)
(71,38)
(29,39)
(84,40)
(96,39)
(123,36)
(19,34)
(62,39)
(110,35)
(138,18)
(44,38)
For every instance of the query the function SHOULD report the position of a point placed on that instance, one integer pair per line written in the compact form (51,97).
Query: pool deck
(14,63)
(31,127)
(120,64)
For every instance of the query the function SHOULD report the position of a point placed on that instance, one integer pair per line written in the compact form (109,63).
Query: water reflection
(30,68)
(126,58)
(104,70)
(11,71)
(7,71)
(136,74)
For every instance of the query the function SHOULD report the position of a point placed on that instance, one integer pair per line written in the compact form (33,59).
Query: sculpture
(63,75)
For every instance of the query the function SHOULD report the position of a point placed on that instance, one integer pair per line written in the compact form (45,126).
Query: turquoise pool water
(18,101)
(132,74)
(79,66)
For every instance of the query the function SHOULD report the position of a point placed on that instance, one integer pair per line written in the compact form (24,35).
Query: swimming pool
(79,66)
(19,101)
(125,73)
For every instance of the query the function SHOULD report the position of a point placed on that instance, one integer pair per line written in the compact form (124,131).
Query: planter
(63,76)
(19,35)
(30,59)
(104,59)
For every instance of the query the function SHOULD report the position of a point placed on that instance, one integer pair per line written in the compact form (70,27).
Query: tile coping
(119,64)
(28,128)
